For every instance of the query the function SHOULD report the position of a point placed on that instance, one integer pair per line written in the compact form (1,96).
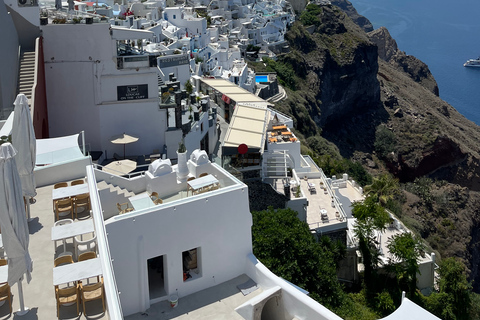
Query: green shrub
(384,141)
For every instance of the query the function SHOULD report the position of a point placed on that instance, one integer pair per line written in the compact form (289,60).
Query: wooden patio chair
(67,296)
(156,200)
(6,294)
(60,185)
(92,292)
(63,207)
(75,182)
(124,208)
(81,201)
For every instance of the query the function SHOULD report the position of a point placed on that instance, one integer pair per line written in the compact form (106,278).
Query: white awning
(410,310)
(55,150)
(126,34)
(247,126)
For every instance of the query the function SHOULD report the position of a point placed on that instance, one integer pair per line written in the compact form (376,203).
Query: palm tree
(384,188)
(406,251)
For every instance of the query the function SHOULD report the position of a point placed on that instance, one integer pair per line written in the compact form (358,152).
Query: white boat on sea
(472,63)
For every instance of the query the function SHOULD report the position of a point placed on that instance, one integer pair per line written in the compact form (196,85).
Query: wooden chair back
(60,185)
(6,294)
(64,206)
(67,296)
(81,201)
(62,260)
(3,262)
(87,256)
(92,292)
(75,182)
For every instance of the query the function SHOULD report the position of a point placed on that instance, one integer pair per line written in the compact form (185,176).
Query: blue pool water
(261,79)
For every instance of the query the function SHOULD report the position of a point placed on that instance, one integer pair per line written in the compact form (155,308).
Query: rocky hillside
(353,88)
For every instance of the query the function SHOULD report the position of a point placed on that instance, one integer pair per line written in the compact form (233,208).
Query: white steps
(26,73)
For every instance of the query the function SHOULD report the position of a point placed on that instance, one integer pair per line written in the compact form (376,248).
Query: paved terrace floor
(218,302)
(316,201)
(39,294)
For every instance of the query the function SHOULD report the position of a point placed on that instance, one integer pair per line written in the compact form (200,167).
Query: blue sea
(443,34)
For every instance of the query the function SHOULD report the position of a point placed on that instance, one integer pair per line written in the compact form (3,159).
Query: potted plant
(182,169)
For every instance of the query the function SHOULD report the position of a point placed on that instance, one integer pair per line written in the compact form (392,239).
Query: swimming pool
(261,79)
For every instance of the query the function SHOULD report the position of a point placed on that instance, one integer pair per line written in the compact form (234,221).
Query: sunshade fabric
(13,220)
(120,167)
(55,150)
(123,139)
(23,140)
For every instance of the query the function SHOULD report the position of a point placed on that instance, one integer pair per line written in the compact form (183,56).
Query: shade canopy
(13,220)
(23,140)
(123,139)
(120,167)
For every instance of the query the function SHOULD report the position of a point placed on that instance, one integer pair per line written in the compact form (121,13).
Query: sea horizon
(441,34)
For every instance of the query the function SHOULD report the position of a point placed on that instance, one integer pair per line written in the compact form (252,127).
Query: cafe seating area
(281,134)
(77,271)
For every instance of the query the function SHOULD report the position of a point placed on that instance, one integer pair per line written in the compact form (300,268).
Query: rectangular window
(191,264)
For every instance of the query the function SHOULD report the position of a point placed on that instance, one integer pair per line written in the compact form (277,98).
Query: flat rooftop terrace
(218,302)
(39,294)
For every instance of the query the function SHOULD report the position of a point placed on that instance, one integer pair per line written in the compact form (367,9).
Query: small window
(174,16)
(191,264)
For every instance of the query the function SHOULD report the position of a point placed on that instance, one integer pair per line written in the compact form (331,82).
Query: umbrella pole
(28,210)
(23,310)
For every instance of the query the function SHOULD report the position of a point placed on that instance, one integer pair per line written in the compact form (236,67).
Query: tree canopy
(285,245)
(406,251)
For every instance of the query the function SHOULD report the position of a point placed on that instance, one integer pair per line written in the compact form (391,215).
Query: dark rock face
(388,51)
(352,13)
(349,88)
(444,152)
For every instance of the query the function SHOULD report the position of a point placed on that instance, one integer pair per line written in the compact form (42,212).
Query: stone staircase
(160,84)
(102,185)
(110,195)
(276,165)
(26,75)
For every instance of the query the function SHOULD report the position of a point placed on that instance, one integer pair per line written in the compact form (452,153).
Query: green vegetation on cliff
(355,113)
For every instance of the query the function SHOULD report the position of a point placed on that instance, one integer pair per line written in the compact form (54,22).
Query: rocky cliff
(388,51)
(349,84)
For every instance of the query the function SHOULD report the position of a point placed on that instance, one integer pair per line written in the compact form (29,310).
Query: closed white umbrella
(13,222)
(23,140)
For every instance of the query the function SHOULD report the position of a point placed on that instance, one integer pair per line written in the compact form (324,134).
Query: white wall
(208,221)
(60,172)
(9,60)
(296,303)
(82,80)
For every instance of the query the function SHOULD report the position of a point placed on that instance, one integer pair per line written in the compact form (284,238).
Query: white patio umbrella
(23,140)
(123,139)
(13,222)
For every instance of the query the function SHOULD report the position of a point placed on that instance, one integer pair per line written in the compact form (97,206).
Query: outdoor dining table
(77,271)
(202,182)
(71,191)
(3,273)
(72,230)
(141,201)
